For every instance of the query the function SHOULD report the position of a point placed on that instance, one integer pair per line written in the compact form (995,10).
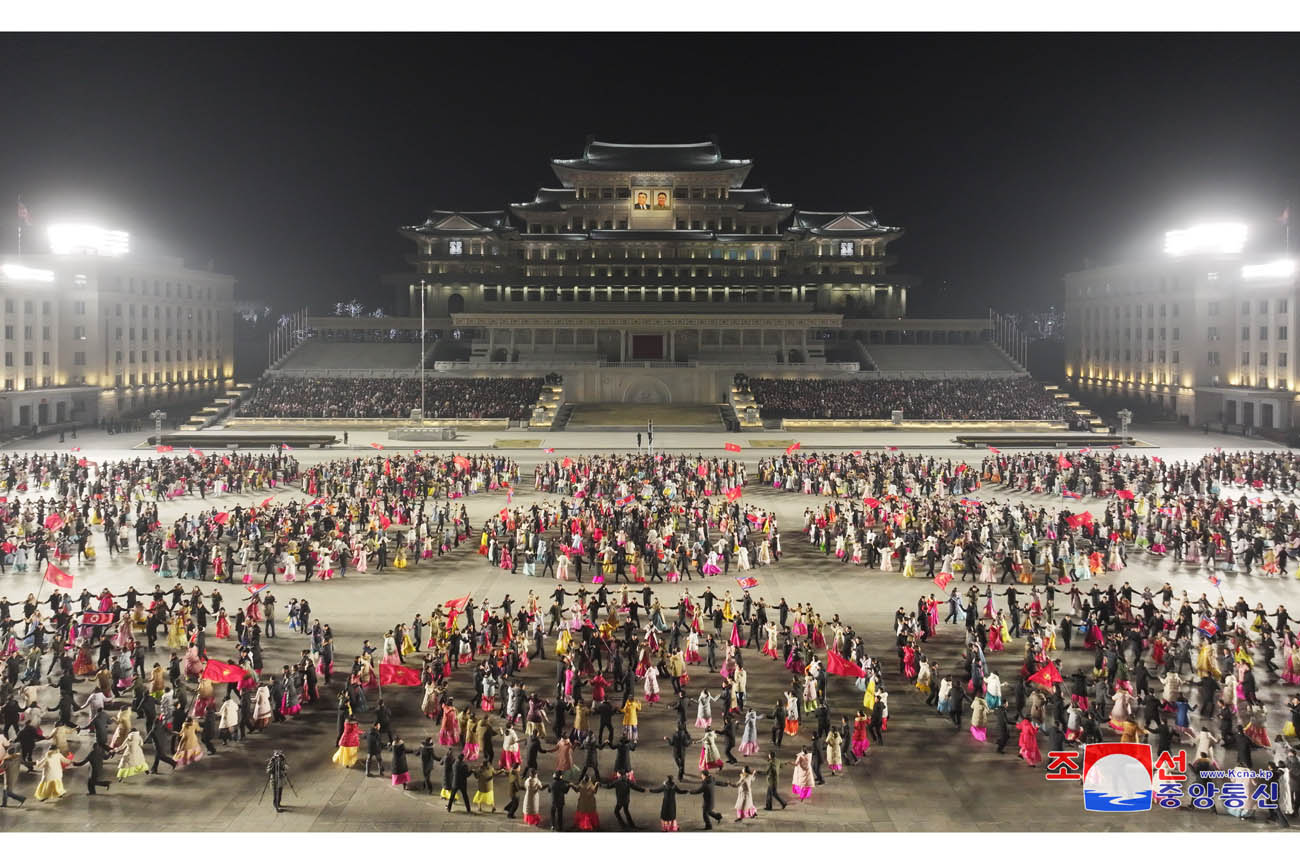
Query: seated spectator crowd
(290,397)
(918,399)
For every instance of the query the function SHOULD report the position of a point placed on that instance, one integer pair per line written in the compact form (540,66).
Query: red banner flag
(942,579)
(733,494)
(1062,462)
(1208,627)
(995,450)
(871,502)
(893,447)
(840,666)
(266,501)
(566,462)
(1124,494)
(1045,676)
(384,522)
(163,449)
(462,462)
(376,446)
(54,522)
(747,582)
(732,446)
(794,446)
(397,675)
(548,450)
(626,500)
(456,605)
(93,617)
(285,446)
(255,588)
(222,517)
(225,461)
(220,672)
(57,576)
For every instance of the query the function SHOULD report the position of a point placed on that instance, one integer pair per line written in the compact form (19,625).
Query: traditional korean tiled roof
(610,156)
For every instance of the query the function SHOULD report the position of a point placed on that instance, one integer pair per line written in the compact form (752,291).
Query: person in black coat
(680,739)
(558,788)
(428,758)
(668,808)
(375,748)
(400,766)
(956,701)
(623,755)
(448,773)
(623,788)
(1001,727)
(707,790)
(460,784)
(95,758)
(163,747)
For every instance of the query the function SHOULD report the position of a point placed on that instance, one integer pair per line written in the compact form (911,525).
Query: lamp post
(158,417)
(422,351)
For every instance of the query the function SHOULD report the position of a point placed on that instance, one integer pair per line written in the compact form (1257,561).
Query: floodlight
(79,238)
(1212,238)
(23,274)
(1278,270)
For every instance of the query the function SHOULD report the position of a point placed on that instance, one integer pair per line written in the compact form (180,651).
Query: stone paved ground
(926,776)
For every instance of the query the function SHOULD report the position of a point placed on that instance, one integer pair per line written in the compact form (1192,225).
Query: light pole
(421,351)
(158,417)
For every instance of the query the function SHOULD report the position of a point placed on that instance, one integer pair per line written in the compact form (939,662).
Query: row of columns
(625,341)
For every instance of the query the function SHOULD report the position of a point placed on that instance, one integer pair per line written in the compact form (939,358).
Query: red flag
(24,216)
(376,446)
(961,468)
(732,446)
(397,675)
(837,664)
(83,462)
(1070,494)
(733,494)
(942,579)
(255,588)
(995,450)
(1085,450)
(871,502)
(456,605)
(549,450)
(57,576)
(1062,463)
(1214,580)
(54,522)
(626,500)
(92,617)
(195,451)
(8,547)
(384,522)
(285,446)
(1207,627)
(794,446)
(1045,676)
(162,449)
(1124,494)
(220,672)
(222,517)
(462,462)
(747,582)
(893,447)
(225,461)
(78,448)
(566,462)
(266,501)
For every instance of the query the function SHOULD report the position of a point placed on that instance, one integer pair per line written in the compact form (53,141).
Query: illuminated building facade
(92,331)
(1203,331)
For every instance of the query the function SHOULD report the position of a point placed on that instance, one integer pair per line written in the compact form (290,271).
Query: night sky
(1009,160)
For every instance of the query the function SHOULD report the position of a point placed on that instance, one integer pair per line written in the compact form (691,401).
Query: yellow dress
(562,642)
(345,756)
(176,633)
(51,784)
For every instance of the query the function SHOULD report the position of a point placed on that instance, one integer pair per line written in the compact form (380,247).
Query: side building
(1202,332)
(95,332)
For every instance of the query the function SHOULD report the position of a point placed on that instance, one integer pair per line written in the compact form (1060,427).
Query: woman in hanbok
(51,766)
(803,782)
(770,643)
(745,795)
(1028,743)
(449,732)
(510,749)
(176,632)
(861,741)
(993,691)
(997,634)
(188,748)
(349,742)
(749,738)
(791,715)
(651,683)
(979,718)
(710,757)
(835,751)
(390,649)
(223,625)
(711,565)
(132,762)
(704,709)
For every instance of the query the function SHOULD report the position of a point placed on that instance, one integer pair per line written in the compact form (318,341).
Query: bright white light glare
(1278,270)
(72,238)
(1208,238)
(24,274)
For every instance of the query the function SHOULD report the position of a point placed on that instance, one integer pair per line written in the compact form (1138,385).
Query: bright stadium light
(1278,270)
(1212,238)
(79,238)
(23,274)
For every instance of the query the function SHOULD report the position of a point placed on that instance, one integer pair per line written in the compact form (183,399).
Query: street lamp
(158,417)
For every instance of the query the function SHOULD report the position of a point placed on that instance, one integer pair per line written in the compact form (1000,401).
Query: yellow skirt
(128,772)
(49,790)
(485,798)
(346,756)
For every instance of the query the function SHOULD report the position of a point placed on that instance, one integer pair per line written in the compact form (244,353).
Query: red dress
(223,627)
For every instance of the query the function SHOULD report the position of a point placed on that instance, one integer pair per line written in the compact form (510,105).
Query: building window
(1213,359)
(1281,305)
(1263,306)
(78,359)
(1281,359)
(1214,308)
(1281,333)
(1245,308)
(1174,357)
(79,333)
(1245,333)
(1263,332)
(1212,333)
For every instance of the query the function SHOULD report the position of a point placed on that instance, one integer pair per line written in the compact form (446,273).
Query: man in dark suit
(460,784)
(706,802)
